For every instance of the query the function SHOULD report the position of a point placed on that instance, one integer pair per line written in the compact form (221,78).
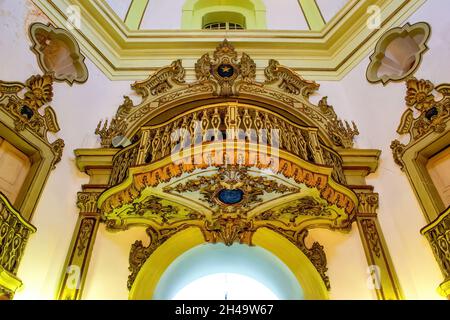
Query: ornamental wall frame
(25,126)
(30,135)
(283,91)
(429,134)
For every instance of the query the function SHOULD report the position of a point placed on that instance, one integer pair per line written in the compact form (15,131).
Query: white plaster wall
(374,108)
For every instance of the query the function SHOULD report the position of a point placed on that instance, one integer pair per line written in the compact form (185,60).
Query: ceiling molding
(329,54)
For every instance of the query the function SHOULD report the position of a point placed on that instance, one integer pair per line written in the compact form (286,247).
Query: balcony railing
(224,123)
(14,234)
(438,235)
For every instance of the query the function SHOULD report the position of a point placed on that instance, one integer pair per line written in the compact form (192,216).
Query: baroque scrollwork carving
(340,132)
(306,206)
(153,205)
(315,253)
(162,81)
(371,233)
(368,203)
(140,253)
(235,179)
(26,111)
(85,233)
(87,202)
(224,71)
(117,126)
(433,114)
(229,229)
(289,81)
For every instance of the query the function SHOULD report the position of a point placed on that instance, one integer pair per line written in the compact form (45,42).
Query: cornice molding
(123,54)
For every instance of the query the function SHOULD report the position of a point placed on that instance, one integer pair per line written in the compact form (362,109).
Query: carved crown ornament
(428,111)
(24,102)
(228,74)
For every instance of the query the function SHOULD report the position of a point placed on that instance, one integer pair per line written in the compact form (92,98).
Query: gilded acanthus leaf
(406,122)
(50,119)
(161,81)
(288,80)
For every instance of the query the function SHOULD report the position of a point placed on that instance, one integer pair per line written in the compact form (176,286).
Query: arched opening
(217,271)
(249,14)
(160,276)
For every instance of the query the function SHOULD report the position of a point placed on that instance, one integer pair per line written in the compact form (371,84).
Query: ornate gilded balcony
(14,233)
(229,124)
(438,234)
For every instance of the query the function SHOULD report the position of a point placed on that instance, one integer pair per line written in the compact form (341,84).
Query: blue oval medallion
(27,112)
(225,70)
(228,196)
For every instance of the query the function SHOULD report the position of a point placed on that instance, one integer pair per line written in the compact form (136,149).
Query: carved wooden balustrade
(438,235)
(225,123)
(14,233)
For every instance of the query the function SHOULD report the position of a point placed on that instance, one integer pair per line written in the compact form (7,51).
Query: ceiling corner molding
(329,54)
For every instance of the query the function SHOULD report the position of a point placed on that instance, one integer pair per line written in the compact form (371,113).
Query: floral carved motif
(315,253)
(232,178)
(228,230)
(85,234)
(26,111)
(289,81)
(225,71)
(140,253)
(371,233)
(433,114)
(118,125)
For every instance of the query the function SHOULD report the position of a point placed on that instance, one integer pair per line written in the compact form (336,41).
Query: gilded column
(381,273)
(77,261)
